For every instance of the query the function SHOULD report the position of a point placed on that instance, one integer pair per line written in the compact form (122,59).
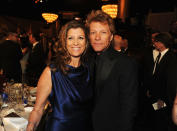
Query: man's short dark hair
(165,38)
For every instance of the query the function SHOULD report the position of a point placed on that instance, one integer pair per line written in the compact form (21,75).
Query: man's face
(100,36)
(31,39)
(159,46)
(117,40)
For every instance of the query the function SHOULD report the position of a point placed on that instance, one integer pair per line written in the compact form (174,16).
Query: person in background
(115,78)
(26,47)
(10,56)
(159,81)
(120,44)
(117,42)
(51,53)
(44,40)
(124,46)
(36,61)
(66,83)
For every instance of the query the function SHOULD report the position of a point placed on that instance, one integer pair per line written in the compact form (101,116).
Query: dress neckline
(72,67)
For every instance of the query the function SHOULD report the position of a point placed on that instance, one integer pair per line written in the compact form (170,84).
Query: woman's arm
(174,112)
(43,90)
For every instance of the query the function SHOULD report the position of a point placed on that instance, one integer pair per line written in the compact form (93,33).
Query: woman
(66,84)
(174,112)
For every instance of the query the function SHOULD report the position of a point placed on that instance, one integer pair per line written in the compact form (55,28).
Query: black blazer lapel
(163,61)
(107,67)
(104,68)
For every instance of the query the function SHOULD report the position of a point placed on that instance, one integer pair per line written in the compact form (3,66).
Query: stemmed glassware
(1,102)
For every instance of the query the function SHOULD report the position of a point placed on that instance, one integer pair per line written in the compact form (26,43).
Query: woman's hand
(31,126)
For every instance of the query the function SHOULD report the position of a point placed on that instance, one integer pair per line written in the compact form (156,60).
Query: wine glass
(1,102)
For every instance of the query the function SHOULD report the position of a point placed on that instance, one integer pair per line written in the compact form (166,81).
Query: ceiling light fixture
(110,9)
(50,17)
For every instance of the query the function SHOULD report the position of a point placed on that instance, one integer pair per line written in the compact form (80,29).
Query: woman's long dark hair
(62,56)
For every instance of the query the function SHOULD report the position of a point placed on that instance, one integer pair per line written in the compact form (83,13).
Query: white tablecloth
(15,123)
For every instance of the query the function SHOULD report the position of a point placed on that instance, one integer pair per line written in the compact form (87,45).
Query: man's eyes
(103,32)
(81,38)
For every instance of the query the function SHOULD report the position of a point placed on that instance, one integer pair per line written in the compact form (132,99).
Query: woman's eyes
(69,38)
(80,37)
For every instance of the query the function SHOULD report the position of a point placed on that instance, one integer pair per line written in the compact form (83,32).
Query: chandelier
(110,9)
(50,17)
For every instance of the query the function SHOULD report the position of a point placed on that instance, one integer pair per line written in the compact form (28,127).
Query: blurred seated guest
(66,84)
(2,80)
(36,61)
(10,56)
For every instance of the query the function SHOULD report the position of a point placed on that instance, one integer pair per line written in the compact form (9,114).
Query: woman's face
(76,42)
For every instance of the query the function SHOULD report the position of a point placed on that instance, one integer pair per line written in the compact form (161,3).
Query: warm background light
(50,17)
(110,9)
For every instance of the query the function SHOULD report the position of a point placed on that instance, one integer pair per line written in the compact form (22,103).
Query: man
(115,78)
(160,73)
(124,46)
(36,61)
(120,44)
(117,42)
(10,56)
